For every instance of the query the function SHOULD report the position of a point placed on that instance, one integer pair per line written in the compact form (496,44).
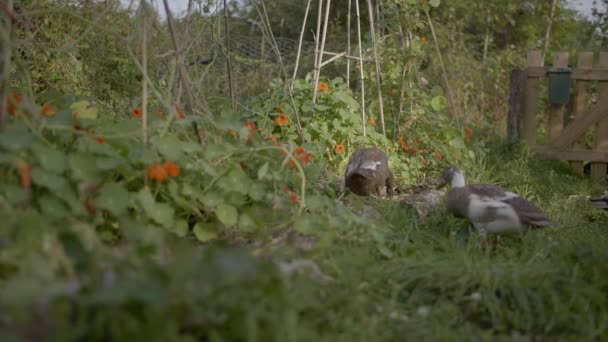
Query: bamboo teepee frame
(320,39)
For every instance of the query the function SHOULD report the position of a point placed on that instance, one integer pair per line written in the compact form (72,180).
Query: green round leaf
(180,228)
(227,214)
(205,232)
(114,198)
(50,158)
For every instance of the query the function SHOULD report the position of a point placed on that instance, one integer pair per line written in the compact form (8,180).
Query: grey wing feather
(488,190)
(529,213)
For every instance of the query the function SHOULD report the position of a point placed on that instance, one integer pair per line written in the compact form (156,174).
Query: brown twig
(178,92)
(348,43)
(396,126)
(319,62)
(377,64)
(228,65)
(361,74)
(548,32)
(6,60)
(318,56)
(295,70)
(448,89)
(182,71)
(144,83)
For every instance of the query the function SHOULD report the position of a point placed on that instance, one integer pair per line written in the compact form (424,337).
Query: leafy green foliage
(104,239)
(427,142)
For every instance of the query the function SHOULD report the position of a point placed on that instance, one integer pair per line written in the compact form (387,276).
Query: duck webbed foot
(483,235)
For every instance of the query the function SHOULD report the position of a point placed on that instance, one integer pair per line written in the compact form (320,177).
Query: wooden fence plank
(529,122)
(587,75)
(516,105)
(578,127)
(591,75)
(584,62)
(555,124)
(598,170)
(574,154)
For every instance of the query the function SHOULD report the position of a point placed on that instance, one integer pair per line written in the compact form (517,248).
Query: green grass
(439,285)
(396,276)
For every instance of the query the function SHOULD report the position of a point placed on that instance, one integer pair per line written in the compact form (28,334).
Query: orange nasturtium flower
(157,172)
(293,197)
(322,86)
(250,125)
(423,40)
(340,149)
(172,169)
(159,112)
(93,134)
(372,121)
(468,133)
(47,110)
(137,112)
(402,143)
(301,156)
(178,112)
(273,139)
(438,155)
(281,120)
(25,171)
(12,101)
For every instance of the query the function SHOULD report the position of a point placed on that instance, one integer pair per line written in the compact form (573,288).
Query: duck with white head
(490,208)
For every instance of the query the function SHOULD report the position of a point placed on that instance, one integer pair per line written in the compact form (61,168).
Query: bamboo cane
(361,75)
(295,70)
(377,63)
(317,54)
(348,44)
(318,74)
(228,62)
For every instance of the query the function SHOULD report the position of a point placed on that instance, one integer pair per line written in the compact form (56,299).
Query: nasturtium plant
(419,144)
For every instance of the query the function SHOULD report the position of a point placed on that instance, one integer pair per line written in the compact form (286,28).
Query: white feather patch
(370,165)
(508,195)
(505,220)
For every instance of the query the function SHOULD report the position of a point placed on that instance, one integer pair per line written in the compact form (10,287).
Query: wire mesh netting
(254,59)
(254,62)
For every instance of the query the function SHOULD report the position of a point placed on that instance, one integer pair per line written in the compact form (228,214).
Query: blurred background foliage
(103,238)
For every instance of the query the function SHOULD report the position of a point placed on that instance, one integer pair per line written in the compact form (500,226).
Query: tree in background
(80,47)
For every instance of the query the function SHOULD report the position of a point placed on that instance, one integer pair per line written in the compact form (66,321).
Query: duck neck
(457,180)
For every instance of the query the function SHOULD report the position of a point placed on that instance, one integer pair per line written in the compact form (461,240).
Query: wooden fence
(567,123)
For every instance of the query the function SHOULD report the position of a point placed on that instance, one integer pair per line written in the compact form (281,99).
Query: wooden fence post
(598,170)
(556,111)
(529,122)
(584,62)
(516,105)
